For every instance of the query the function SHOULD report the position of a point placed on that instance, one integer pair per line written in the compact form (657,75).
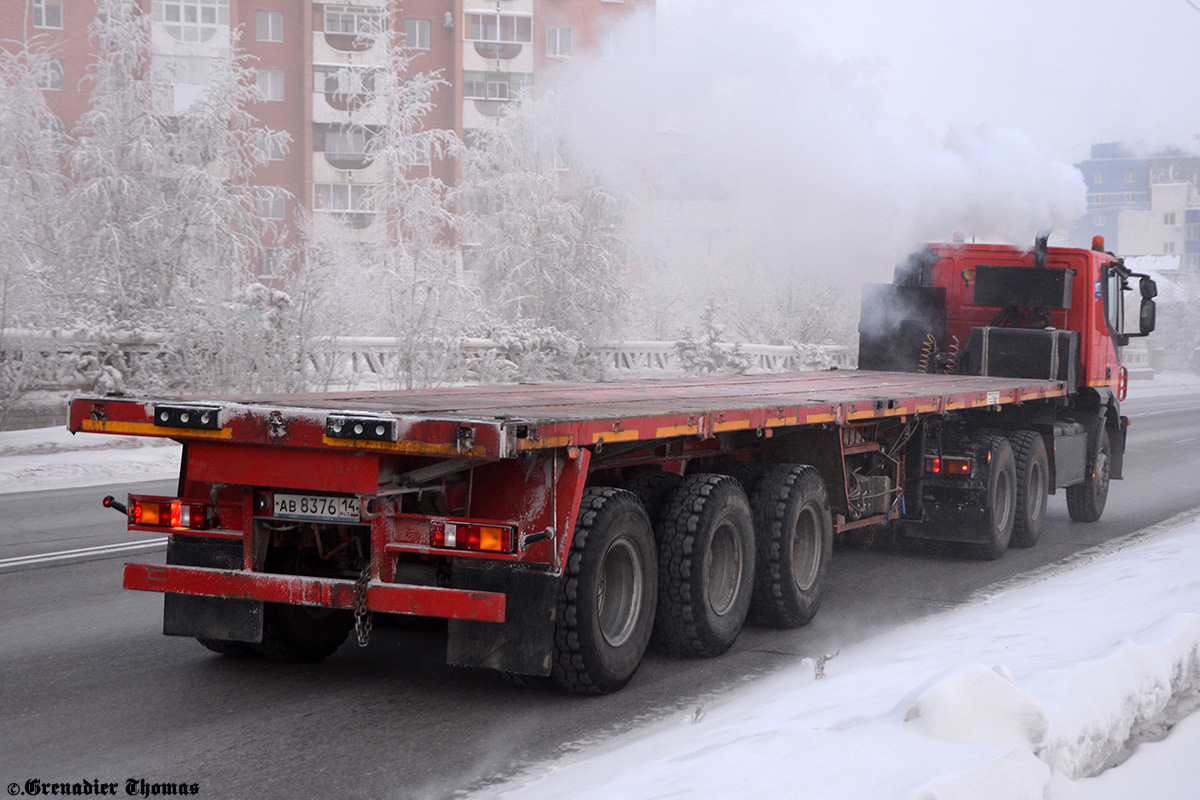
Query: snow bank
(53,458)
(1024,694)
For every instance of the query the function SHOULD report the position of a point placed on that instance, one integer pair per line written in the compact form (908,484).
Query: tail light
(954,467)
(168,514)
(471,536)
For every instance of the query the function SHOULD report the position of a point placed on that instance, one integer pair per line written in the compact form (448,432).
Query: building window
(1130,176)
(269,26)
(495,85)
(1099,220)
(47,14)
(268,262)
(330,79)
(270,84)
(192,20)
(1100,177)
(492,27)
(1168,248)
(1169,219)
(353,197)
(271,202)
(1131,198)
(274,147)
(558,42)
(183,79)
(351,20)
(1193,231)
(416,34)
(343,145)
(51,75)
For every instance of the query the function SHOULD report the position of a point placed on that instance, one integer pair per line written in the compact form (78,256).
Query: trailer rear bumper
(424,601)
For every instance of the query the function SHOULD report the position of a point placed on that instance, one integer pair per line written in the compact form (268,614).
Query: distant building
(308,53)
(1142,205)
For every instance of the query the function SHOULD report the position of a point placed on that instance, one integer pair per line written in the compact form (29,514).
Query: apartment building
(312,64)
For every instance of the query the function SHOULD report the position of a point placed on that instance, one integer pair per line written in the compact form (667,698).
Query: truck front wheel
(607,601)
(794,531)
(706,565)
(1085,501)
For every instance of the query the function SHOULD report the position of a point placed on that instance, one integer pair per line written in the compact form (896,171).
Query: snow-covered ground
(1034,692)
(53,458)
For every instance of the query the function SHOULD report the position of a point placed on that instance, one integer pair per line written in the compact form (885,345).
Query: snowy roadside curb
(52,458)
(1020,695)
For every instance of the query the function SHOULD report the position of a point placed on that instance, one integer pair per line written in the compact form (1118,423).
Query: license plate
(317,507)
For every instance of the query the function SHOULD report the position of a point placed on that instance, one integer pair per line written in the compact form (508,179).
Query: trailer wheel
(705,566)
(1085,501)
(228,648)
(1033,487)
(299,634)
(794,533)
(609,591)
(652,488)
(1001,502)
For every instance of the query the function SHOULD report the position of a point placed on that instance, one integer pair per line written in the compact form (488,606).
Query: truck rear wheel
(299,634)
(705,566)
(1001,501)
(1033,487)
(608,596)
(793,529)
(1085,501)
(652,487)
(228,648)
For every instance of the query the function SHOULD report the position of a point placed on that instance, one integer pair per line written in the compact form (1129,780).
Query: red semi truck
(557,527)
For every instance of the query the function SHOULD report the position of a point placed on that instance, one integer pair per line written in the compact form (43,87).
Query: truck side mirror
(1149,290)
(1146,313)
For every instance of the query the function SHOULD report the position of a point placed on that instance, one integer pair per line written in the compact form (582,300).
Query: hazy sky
(1067,72)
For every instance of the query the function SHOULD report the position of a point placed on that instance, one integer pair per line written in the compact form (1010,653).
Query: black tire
(793,529)
(600,635)
(228,648)
(1033,487)
(705,566)
(1001,502)
(748,474)
(652,487)
(1085,501)
(299,634)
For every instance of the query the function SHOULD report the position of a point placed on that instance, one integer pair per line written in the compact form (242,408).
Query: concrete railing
(71,361)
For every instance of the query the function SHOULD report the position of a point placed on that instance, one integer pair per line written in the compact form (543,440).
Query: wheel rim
(619,594)
(1003,500)
(1037,489)
(806,549)
(723,569)
(1100,481)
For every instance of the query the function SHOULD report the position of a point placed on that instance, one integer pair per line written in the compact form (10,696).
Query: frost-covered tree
(163,220)
(547,244)
(399,278)
(31,183)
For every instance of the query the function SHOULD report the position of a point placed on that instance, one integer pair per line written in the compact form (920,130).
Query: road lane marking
(83,552)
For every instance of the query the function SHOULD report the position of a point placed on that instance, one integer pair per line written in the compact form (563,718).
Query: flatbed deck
(501,421)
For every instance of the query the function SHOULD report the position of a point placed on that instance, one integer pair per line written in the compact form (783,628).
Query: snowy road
(93,690)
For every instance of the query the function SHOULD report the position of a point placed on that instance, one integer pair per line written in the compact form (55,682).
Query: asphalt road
(90,690)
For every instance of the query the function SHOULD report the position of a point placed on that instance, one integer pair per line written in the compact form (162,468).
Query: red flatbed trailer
(555,525)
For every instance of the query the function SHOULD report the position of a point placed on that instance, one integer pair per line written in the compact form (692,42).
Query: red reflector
(168,514)
(470,536)
(933,465)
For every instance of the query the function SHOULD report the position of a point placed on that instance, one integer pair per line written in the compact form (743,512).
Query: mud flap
(210,617)
(524,642)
